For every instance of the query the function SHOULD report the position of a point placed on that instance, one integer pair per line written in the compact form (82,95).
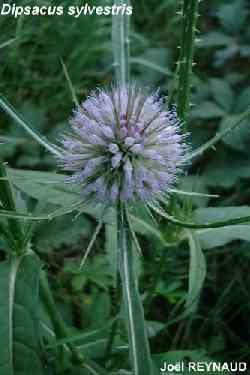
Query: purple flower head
(124,145)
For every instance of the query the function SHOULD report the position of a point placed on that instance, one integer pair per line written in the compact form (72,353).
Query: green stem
(138,343)
(120,45)
(189,20)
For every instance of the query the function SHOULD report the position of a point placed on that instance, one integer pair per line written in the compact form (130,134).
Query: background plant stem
(120,45)
(189,20)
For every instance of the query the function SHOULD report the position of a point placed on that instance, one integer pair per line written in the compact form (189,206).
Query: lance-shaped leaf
(214,237)
(19,330)
(197,271)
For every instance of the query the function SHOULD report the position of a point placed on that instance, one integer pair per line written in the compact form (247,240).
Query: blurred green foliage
(31,76)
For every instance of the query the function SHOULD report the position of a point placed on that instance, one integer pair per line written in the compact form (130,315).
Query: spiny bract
(124,145)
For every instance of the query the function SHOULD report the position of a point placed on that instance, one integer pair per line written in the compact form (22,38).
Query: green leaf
(226,173)
(51,188)
(238,140)
(46,186)
(138,344)
(211,238)
(96,272)
(218,137)
(152,65)
(223,94)
(197,271)
(215,39)
(216,237)
(216,214)
(64,231)
(147,228)
(193,187)
(242,100)
(80,339)
(19,329)
(96,310)
(143,221)
(233,16)
(207,110)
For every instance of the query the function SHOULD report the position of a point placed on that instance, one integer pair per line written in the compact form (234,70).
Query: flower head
(124,145)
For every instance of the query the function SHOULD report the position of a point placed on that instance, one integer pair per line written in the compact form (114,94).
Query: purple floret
(124,146)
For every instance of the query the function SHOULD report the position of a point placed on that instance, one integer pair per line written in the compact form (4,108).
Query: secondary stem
(189,20)
(120,45)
